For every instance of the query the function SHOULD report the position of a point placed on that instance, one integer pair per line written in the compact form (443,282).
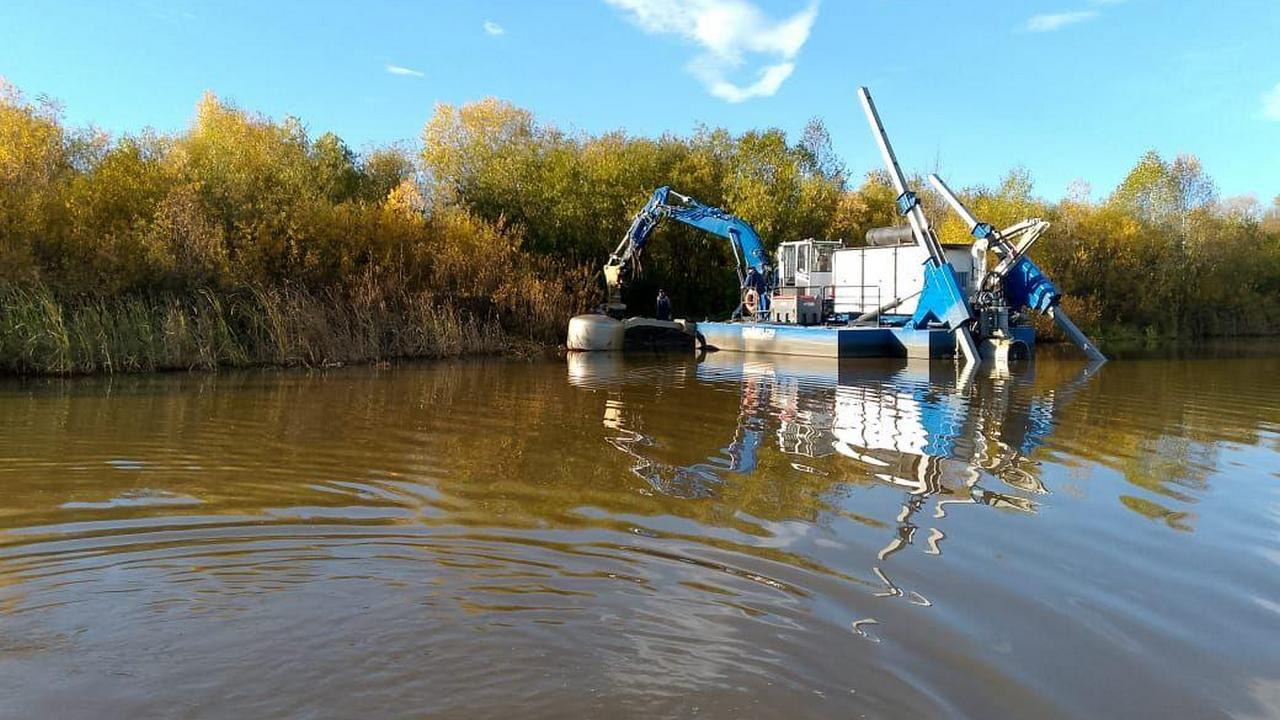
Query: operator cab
(806,264)
(804,281)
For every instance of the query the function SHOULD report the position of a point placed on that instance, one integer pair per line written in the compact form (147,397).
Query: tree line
(1162,255)
(244,239)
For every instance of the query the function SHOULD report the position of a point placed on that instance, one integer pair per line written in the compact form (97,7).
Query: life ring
(751,300)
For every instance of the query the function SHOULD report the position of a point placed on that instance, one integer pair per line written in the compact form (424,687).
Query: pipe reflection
(945,440)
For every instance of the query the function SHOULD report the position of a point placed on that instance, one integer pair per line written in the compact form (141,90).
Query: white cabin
(806,263)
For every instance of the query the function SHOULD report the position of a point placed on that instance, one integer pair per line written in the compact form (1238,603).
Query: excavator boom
(665,203)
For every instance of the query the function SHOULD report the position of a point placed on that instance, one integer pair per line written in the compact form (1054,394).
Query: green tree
(334,171)
(34,166)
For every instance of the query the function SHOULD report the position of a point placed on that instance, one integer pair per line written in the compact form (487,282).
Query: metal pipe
(737,259)
(969,220)
(894,235)
(1032,235)
(1033,229)
(1075,335)
(997,238)
(919,223)
(872,315)
(882,140)
(964,339)
(1012,254)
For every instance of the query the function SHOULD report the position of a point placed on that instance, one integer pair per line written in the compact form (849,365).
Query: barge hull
(839,342)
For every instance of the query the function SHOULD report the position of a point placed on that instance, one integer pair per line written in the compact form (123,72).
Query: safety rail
(854,299)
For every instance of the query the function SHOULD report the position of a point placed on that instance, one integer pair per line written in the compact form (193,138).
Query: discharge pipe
(1074,333)
(915,214)
(1060,317)
(872,315)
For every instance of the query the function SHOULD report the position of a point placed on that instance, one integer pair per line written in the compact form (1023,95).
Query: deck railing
(852,300)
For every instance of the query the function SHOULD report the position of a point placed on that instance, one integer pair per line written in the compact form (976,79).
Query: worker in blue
(663,311)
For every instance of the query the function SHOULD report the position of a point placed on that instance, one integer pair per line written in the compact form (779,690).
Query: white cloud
(1053,21)
(401,70)
(493,28)
(731,34)
(769,79)
(1271,103)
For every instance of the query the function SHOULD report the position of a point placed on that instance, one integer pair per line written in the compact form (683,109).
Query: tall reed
(290,326)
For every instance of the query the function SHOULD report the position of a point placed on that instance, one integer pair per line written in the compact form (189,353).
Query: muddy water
(741,537)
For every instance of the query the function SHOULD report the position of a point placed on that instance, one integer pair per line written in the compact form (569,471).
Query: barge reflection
(944,439)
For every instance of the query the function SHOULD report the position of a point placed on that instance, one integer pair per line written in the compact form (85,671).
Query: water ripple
(734,536)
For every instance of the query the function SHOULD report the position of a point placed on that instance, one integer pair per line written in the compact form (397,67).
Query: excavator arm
(665,203)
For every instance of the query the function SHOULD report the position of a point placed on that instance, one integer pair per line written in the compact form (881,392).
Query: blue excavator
(755,276)
(974,312)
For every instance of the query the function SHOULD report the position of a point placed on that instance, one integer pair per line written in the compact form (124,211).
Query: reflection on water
(939,437)
(919,426)
(734,536)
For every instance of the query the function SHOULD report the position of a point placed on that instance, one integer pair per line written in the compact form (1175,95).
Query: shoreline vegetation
(244,240)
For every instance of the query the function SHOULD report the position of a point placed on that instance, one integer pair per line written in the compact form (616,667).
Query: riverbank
(243,240)
(290,326)
(252,326)
(295,329)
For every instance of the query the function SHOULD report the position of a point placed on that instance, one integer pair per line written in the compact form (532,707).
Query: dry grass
(41,334)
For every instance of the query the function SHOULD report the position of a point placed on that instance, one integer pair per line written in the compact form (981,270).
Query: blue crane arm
(665,203)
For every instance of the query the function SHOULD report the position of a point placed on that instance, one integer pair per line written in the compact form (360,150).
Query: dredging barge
(903,294)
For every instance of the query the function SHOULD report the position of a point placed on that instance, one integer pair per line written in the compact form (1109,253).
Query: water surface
(737,537)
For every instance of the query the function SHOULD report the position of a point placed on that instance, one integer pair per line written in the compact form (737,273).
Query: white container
(867,278)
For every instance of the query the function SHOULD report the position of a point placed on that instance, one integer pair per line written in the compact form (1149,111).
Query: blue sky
(1067,88)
